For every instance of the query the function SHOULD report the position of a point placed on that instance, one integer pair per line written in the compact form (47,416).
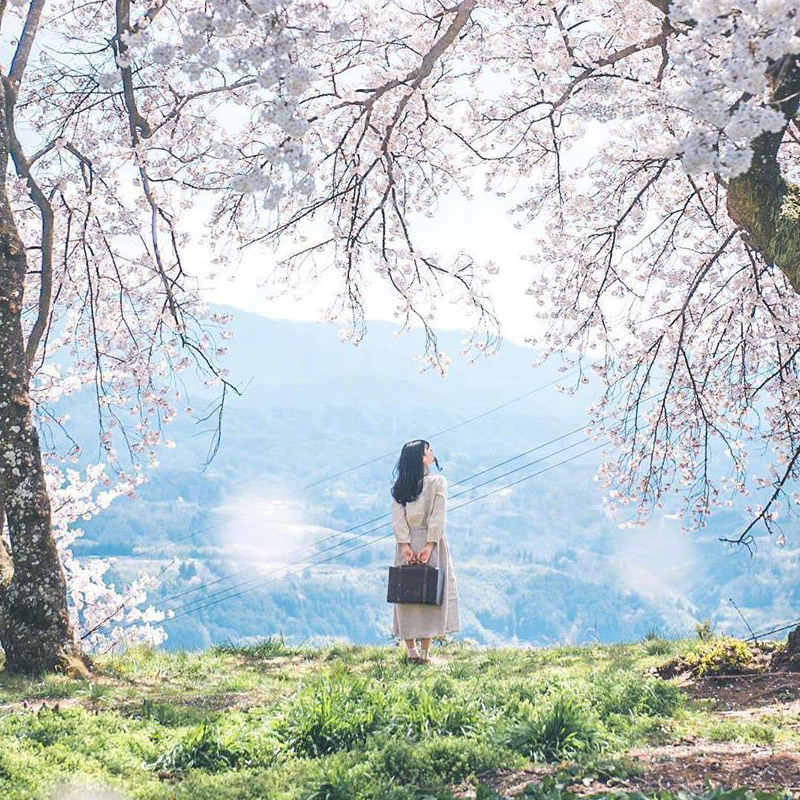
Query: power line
(361,535)
(437,433)
(339,534)
(374,460)
(223,591)
(258,582)
(255,579)
(769,632)
(365,533)
(372,540)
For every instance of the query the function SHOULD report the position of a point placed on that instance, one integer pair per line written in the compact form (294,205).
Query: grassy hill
(274,722)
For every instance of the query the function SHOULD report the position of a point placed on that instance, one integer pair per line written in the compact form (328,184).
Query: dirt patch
(764,691)
(506,783)
(729,765)
(696,768)
(35,705)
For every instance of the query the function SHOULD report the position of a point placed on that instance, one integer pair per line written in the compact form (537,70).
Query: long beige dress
(420,521)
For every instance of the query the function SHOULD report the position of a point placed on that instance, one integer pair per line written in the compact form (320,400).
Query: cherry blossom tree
(671,255)
(103,154)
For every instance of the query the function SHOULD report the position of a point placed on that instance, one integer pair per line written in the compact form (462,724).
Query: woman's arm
(437,519)
(401,531)
(399,523)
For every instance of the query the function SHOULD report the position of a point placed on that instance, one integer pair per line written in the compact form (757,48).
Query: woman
(419,515)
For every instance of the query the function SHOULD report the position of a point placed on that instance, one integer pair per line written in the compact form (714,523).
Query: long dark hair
(410,471)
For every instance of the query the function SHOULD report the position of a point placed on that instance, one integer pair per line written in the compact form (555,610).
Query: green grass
(270,721)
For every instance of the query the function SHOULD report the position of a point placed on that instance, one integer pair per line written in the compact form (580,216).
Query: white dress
(420,521)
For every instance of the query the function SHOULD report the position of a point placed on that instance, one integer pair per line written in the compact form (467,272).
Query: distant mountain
(538,562)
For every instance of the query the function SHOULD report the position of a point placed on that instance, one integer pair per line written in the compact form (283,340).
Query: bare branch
(23,51)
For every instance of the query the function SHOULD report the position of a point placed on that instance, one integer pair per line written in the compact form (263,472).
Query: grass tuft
(554,730)
(270,647)
(329,715)
(204,748)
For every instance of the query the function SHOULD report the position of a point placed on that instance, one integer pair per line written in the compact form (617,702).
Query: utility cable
(259,582)
(361,535)
(384,516)
(301,567)
(338,534)
(374,460)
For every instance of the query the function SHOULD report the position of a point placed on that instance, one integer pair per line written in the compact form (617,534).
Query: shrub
(204,749)
(721,656)
(554,730)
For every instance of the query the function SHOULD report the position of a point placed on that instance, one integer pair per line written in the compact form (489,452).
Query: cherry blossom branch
(26,40)
(123,11)
(613,58)
(746,538)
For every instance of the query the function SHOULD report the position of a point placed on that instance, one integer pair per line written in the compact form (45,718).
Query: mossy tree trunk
(767,208)
(762,202)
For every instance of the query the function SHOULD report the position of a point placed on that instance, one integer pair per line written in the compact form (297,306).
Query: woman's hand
(408,554)
(425,553)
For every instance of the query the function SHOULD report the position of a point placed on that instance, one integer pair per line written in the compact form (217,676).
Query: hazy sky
(480,227)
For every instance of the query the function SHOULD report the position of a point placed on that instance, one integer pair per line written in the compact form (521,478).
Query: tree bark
(762,202)
(788,660)
(35,631)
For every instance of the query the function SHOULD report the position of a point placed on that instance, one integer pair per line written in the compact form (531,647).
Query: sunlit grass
(293,723)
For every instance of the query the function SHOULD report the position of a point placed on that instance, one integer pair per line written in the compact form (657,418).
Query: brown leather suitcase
(415,583)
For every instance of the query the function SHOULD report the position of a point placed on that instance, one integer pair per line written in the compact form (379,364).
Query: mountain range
(306,455)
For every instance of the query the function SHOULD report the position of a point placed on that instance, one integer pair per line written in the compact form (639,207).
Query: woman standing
(419,517)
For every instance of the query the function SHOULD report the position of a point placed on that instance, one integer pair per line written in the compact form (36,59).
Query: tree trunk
(35,631)
(788,660)
(762,201)
(767,207)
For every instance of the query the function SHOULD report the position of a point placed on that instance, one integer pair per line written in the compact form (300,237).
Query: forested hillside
(538,562)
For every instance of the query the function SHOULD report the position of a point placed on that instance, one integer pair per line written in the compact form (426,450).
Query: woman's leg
(411,645)
(424,647)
